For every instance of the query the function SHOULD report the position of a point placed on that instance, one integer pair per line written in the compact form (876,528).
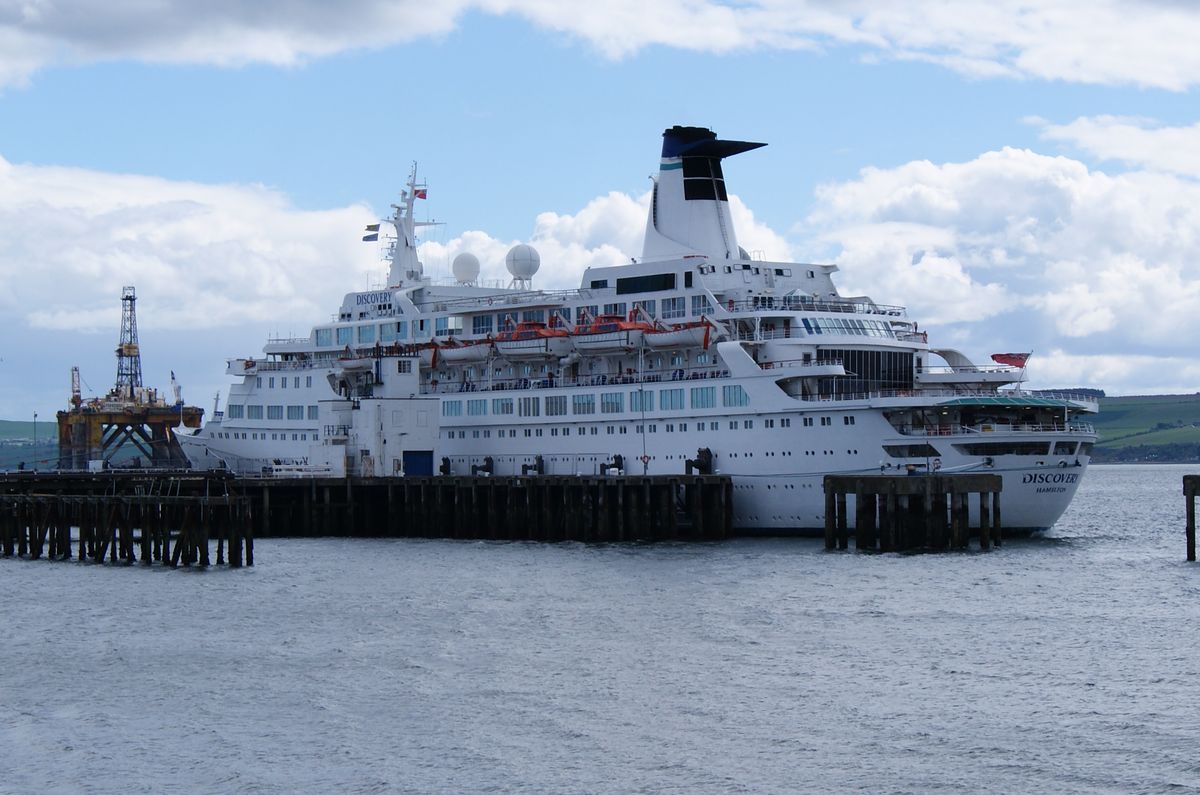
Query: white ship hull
(804,384)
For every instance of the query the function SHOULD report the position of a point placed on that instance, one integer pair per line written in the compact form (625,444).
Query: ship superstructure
(694,355)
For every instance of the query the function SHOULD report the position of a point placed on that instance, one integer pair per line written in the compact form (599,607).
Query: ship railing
(789,303)
(925,394)
(288,340)
(785,363)
(912,336)
(270,366)
(499,301)
(956,369)
(956,429)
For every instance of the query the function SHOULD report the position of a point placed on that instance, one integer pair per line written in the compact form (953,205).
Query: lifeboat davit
(532,340)
(610,334)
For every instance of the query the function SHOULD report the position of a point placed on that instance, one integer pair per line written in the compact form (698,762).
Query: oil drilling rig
(130,418)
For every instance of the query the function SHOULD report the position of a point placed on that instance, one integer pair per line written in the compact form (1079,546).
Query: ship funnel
(689,207)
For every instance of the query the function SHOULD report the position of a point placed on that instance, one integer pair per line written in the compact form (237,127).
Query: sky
(1022,176)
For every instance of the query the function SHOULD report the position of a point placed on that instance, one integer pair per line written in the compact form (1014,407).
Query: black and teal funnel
(689,208)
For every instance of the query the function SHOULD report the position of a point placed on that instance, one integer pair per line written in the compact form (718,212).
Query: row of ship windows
(254,411)
(703,397)
(296,437)
(396,331)
(668,427)
(283,381)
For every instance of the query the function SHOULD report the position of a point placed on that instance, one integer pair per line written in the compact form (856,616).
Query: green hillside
(23,429)
(1148,428)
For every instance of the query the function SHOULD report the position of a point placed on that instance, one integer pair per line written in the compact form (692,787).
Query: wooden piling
(1191,487)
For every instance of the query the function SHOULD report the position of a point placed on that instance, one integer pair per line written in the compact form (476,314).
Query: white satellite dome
(522,261)
(465,268)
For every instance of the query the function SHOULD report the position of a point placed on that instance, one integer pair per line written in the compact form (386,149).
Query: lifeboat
(695,334)
(610,334)
(532,340)
(459,351)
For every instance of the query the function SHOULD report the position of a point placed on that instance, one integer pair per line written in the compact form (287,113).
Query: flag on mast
(372,227)
(421,193)
(370,237)
(1013,359)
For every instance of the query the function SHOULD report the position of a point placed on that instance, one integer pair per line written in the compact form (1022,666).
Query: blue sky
(1023,177)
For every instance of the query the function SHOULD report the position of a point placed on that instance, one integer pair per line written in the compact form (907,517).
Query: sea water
(1066,663)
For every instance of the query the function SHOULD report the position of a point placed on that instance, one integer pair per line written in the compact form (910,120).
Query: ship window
(481,324)
(599,284)
(324,337)
(671,399)
(624,429)
(345,335)
(404,365)
(1064,448)
(911,450)
(556,405)
(530,406)
(704,397)
(535,315)
(827,421)
(616,309)
(653,283)
(477,408)
(254,412)
(1085,448)
(786,422)
(591,309)
(687,279)
(641,400)
(283,382)
(847,420)
(734,396)
(583,404)
(366,334)
(274,412)
(502,405)
(1004,448)
(610,430)
(295,412)
(452,408)
(235,411)
(808,421)
(649,307)
(313,412)
(748,423)
(612,402)
(673,307)
(701,305)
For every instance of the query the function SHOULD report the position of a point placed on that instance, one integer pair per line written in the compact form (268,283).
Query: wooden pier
(1191,488)
(180,513)
(534,508)
(899,513)
(171,530)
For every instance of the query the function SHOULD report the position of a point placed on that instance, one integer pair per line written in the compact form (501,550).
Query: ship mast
(402,254)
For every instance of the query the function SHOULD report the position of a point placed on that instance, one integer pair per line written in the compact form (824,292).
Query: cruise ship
(694,357)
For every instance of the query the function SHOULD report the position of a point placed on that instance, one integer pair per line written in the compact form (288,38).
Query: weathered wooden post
(1191,485)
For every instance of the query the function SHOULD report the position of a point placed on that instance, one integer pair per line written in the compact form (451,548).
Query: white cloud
(1017,250)
(1101,41)
(1133,141)
(226,253)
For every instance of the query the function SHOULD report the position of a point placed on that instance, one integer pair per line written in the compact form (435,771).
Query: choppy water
(1068,663)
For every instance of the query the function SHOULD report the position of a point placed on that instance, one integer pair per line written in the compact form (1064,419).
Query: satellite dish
(522,261)
(465,268)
